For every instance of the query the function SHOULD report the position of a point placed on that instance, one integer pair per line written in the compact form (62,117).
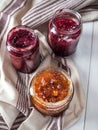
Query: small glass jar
(64,32)
(23,47)
(51,91)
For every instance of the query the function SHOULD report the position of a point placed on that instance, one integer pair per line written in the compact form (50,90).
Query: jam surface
(66,24)
(51,86)
(21,38)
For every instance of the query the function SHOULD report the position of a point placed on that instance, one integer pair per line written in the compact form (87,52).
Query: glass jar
(64,32)
(51,90)
(23,47)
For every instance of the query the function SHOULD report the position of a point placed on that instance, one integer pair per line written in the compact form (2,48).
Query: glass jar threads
(64,32)
(51,90)
(23,47)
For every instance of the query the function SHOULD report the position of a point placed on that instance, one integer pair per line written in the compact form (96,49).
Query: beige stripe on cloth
(44,10)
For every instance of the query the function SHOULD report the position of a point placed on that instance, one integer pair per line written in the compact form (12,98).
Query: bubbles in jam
(51,86)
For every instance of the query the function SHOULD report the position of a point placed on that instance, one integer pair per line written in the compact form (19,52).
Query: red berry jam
(23,47)
(21,39)
(64,32)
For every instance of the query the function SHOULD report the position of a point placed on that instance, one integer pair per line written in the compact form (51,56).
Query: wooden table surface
(86,62)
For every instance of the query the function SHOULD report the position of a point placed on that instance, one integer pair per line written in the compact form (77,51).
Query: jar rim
(52,104)
(63,11)
(21,50)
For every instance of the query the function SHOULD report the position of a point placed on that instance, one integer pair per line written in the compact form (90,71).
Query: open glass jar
(51,90)
(64,32)
(23,47)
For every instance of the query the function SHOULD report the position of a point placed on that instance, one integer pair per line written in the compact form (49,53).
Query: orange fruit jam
(51,86)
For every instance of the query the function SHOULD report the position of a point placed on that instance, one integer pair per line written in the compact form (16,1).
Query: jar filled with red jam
(51,91)
(64,32)
(23,47)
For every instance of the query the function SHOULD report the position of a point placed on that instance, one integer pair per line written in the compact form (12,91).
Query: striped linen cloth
(14,110)
(44,10)
(13,98)
(38,121)
(3,125)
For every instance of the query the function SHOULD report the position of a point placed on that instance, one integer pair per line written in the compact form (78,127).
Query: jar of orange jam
(51,90)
